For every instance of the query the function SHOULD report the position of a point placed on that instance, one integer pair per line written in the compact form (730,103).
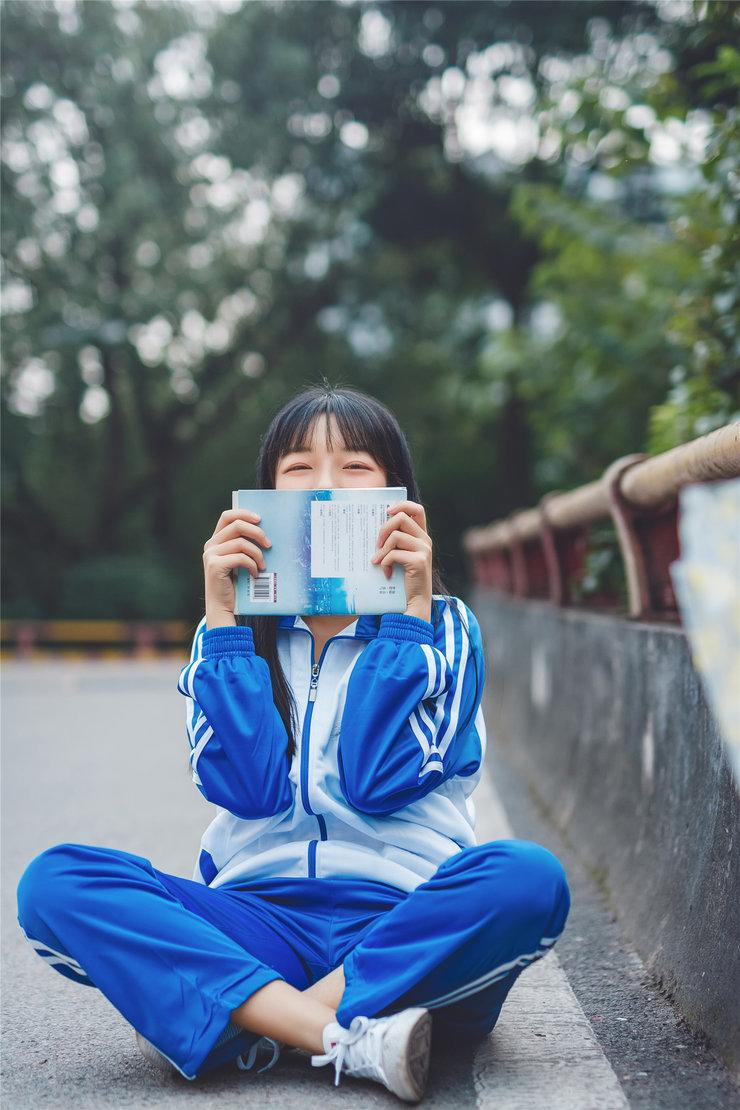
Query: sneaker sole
(411,1070)
(154,1056)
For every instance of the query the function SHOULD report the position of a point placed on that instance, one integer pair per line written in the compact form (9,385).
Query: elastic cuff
(230,640)
(402,626)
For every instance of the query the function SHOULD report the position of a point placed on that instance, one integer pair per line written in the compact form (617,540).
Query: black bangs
(352,420)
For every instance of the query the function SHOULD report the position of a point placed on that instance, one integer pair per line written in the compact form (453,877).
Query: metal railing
(541,552)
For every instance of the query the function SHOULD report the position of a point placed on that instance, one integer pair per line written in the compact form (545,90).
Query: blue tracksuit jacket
(390,745)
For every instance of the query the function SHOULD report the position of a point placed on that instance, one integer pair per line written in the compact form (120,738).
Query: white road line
(542,1053)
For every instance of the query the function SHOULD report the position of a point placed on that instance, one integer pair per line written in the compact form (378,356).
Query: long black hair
(365,425)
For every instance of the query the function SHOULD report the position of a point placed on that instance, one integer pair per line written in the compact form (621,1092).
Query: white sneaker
(156,1058)
(393,1050)
(245,1061)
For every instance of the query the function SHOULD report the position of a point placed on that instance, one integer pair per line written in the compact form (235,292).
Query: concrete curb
(542,1053)
(615,737)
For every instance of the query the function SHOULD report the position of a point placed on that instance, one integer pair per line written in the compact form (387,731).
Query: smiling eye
(350,466)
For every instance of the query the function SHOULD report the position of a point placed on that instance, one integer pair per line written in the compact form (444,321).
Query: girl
(339,898)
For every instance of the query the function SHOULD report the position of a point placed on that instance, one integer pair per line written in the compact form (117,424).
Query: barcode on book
(263,587)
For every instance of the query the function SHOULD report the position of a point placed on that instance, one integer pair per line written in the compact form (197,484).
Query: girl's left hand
(404,539)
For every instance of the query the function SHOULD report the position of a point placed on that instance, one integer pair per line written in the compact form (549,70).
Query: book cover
(319,562)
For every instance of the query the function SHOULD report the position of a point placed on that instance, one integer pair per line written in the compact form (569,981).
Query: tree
(205,207)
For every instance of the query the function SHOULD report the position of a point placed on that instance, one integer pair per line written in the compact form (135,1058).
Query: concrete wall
(607,719)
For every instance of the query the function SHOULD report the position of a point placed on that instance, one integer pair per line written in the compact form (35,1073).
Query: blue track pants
(175,957)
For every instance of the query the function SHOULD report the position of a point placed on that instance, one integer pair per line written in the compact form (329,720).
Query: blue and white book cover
(322,544)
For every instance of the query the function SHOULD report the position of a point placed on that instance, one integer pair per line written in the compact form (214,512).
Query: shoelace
(365,1058)
(263,1042)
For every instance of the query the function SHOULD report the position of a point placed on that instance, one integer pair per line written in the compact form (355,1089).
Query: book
(319,561)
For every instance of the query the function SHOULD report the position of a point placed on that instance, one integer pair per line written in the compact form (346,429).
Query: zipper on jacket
(315,667)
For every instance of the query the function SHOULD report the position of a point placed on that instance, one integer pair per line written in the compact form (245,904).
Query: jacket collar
(363,628)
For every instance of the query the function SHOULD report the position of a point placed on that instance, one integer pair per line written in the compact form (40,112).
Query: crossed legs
(457,943)
(295,1017)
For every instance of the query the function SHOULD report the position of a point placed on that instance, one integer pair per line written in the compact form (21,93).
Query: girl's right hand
(234,543)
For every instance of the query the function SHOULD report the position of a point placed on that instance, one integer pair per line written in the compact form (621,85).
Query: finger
(235,545)
(408,506)
(408,559)
(239,559)
(402,540)
(400,521)
(239,543)
(413,508)
(406,540)
(239,528)
(245,528)
(229,515)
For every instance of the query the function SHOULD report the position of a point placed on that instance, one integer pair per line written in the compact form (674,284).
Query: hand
(404,539)
(234,543)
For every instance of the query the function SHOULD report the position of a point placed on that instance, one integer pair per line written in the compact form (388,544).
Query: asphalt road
(96,753)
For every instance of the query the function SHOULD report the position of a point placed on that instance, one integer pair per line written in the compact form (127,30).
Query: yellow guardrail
(102,639)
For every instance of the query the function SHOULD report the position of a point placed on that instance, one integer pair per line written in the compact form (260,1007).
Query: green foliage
(603,581)
(647,308)
(133,587)
(705,384)
(692,408)
(606,285)
(206,208)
